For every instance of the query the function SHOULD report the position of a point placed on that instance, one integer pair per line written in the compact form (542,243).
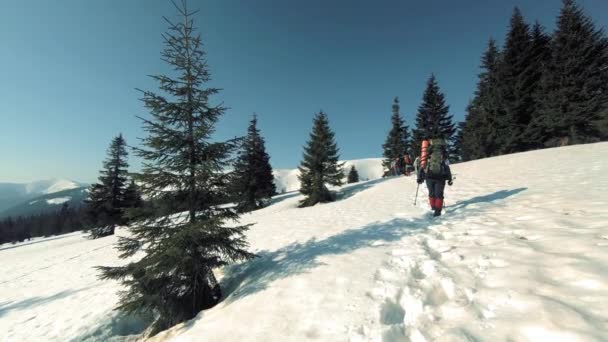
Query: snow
(58,200)
(368,169)
(520,254)
(50,186)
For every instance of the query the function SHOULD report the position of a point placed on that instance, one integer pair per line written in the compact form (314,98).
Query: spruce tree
(540,57)
(353,175)
(576,82)
(186,170)
(134,202)
(432,119)
(253,181)
(456,153)
(320,166)
(516,86)
(397,140)
(479,131)
(106,203)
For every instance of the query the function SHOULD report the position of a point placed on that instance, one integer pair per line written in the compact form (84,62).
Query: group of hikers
(401,165)
(432,166)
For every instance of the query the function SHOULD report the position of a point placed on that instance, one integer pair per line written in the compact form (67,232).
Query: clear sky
(68,70)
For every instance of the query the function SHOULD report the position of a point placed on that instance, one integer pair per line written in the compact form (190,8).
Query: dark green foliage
(455,152)
(517,84)
(106,204)
(133,196)
(320,166)
(479,135)
(353,175)
(183,171)
(253,181)
(575,85)
(397,140)
(542,90)
(66,220)
(432,119)
(539,62)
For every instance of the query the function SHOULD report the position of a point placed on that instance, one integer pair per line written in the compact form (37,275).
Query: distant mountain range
(39,196)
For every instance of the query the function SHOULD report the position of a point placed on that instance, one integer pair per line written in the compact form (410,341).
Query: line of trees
(66,220)
(539,90)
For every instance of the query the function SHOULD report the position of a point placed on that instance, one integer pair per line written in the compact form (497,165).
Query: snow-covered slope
(519,255)
(287,180)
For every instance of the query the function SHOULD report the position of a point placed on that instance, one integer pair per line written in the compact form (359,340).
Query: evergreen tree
(456,154)
(540,59)
(516,86)
(432,119)
(353,175)
(106,203)
(254,181)
(320,164)
(479,134)
(575,86)
(397,140)
(133,202)
(184,169)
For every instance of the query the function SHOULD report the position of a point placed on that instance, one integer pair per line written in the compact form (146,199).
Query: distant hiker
(392,171)
(397,166)
(436,172)
(407,162)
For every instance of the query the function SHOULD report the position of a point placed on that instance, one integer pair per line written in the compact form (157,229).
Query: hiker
(397,167)
(436,172)
(407,164)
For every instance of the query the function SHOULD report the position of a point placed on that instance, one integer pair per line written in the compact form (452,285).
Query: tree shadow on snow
(254,276)
(117,327)
(498,195)
(352,189)
(30,303)
(251,277)
(280,198)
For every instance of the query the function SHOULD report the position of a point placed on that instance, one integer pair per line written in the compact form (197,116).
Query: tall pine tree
(253,181)
(320,166)
(106,204)
(433,119)
(479,134)
(397,140)
(516,86)
(576,82)
(174,278)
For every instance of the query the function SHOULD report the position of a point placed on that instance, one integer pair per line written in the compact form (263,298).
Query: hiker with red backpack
(435,169)
(407,161)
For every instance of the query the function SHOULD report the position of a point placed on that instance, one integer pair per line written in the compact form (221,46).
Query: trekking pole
(415,198)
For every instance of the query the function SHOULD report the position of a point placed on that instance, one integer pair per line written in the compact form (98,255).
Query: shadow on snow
(351,190)
(251,277)
(498,195)
(30,303)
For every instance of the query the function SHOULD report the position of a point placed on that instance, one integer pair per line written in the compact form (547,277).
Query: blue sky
(69,68)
